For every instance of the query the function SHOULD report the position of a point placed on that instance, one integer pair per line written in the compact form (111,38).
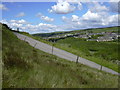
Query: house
(83,36)
(105,38)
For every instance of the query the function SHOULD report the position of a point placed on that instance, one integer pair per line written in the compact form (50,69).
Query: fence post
(52,48)
(77,59)
(35,45)
(25,39)
(101,67)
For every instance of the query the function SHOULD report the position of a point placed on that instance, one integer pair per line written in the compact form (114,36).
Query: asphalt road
(62,54)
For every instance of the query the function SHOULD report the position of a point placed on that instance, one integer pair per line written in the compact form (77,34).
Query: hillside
(99,44)
(93,30)
(103,53)
(27,67)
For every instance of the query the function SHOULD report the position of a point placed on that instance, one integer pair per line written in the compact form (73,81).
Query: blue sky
(43,17)
(32,8)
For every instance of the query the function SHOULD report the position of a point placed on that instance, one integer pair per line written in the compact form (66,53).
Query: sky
(45,17)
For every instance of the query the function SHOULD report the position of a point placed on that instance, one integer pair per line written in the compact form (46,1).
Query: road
(62,54)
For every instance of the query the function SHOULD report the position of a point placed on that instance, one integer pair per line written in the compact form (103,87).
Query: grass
(105,54)
(98,30)
(27,67)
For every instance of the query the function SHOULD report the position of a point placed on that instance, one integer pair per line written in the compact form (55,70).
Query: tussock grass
(27,67)
(14,59)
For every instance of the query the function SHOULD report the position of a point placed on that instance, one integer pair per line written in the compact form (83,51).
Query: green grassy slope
(98,30)
(27,67)
(103,53)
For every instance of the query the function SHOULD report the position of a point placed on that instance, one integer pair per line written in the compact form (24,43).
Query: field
(27,67)
(103,53)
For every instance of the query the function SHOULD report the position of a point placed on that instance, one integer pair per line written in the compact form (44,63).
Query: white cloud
(110,20)
(88,20)
(79,6)
(97,7)
(15,25)
(48,27)
(113,18)
(41,28)
(21,14)
(50,10)
(65,19)
(65,7)
(3,7)
(4,21)
(91,16)
(75,18)
(62,8)
(45,18)
(23,25)
(22,21)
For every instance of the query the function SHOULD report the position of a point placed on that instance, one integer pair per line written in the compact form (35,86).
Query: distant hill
(49,34)
(93,30)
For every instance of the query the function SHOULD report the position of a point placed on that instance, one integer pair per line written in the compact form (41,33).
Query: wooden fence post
(25,39)
(77,59)
(101,67)
(52,48)
(35,45)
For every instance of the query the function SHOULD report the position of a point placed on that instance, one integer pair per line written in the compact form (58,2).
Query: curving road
(62,54)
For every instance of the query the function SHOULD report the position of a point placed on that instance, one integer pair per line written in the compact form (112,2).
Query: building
(105,38)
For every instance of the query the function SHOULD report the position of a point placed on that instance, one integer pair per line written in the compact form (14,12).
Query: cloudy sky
(43,17)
